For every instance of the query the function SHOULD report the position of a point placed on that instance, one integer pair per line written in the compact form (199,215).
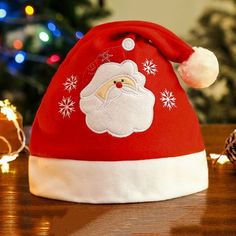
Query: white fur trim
(118,181)
(201,68)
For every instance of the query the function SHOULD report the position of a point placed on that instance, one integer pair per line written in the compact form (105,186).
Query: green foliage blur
(25,83)
(216,30)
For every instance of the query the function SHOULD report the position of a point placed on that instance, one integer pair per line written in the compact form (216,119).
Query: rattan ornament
(229,151)
(230,147)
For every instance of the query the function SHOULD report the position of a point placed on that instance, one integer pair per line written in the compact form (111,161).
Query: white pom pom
(201,68)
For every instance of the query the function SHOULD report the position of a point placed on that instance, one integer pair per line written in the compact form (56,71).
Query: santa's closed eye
(118,82)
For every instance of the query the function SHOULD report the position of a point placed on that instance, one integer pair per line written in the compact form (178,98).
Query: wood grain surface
(211,212)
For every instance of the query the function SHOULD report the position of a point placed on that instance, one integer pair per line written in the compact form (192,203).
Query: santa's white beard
(125,111)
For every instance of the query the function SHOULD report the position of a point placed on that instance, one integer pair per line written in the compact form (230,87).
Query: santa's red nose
(119,85)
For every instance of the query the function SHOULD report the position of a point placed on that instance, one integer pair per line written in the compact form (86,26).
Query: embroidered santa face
(116,101)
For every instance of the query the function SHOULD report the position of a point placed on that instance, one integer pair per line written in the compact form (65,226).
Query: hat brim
(118,181)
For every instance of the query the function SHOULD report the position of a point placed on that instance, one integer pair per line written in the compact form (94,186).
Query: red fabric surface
(172,133)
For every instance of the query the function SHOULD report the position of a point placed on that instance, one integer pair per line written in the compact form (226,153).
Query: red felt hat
(115,125)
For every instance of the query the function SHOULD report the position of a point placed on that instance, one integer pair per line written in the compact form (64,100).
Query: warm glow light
(222,159)
(7,158)
(8,110)
(4,162)
(5,168)
(9,113)
(29,10)
(17,44)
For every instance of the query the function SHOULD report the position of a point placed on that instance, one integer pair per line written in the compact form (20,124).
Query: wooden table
(211,212)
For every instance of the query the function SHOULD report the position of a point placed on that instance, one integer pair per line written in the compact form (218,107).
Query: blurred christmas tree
(216,31)
(35,36)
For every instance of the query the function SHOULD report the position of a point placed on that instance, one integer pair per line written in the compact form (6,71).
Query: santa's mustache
(115,93)
(130,90)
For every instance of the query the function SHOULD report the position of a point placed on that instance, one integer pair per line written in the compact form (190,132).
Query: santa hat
(115,125)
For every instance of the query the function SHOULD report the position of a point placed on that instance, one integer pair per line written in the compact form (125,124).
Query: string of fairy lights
(7,109)
(45,34)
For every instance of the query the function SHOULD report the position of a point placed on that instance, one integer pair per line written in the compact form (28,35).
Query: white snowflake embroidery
(71,83)
(149,67)
(66,107)
(105,56)
(168,99)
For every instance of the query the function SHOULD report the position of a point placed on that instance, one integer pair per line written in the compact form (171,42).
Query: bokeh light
(20,57)
(3,13)
(29,10)
(44,36)
(79,35)
(57,33)
(51,26)
(54,58)
(17,44)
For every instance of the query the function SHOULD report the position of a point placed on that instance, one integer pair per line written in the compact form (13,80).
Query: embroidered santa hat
(115,125)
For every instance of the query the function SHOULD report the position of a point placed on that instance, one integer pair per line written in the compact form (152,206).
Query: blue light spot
(3,10)
(13,67)
(52,26)
(57,33)
(79,35)
(20,57)
(3,13)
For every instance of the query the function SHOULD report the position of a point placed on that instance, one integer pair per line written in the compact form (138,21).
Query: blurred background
(35,37)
